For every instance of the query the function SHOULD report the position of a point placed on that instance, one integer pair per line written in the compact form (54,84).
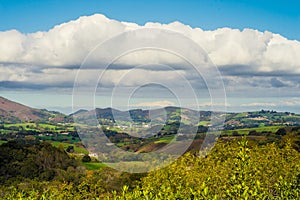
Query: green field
(240,115)
(65,146)
(245,131)
(204,123)
(25,126)
(41,126)
(93,165)
(127,165)
(5,131)
(165,139)
(2,142)
(60,138)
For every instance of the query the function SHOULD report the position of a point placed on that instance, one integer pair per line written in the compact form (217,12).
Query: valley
(51,149)
(137,130)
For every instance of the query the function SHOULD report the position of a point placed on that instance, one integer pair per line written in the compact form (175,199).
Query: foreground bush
(233,170)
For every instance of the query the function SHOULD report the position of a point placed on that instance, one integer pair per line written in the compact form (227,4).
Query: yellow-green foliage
(232,170)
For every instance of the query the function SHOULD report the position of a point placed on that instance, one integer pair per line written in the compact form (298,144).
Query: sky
(276,16)
(253,45)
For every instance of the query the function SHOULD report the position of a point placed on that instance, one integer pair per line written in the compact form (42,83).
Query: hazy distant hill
(166,115)
(12,112)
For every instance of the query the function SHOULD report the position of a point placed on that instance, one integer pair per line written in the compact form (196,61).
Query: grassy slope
(34,126)
(65,146)
(245,131)
(2,142)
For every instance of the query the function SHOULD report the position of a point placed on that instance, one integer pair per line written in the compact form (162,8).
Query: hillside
(13,112)
(185,116)
(261,118)
(155,116)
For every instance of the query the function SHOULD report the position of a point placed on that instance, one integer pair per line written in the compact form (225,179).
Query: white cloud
(259,104)
(69,43)
(155,104)
(214,104)
(51,57)
(289,102)
(11,46)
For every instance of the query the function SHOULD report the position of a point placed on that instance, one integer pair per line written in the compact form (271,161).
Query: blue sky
(277,16)
(260,65)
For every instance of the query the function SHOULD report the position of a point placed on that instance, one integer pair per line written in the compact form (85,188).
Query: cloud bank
(69,43)
(155,104)
(249,60)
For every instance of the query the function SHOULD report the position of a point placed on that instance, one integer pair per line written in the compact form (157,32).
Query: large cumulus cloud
(246,59)
(69,43)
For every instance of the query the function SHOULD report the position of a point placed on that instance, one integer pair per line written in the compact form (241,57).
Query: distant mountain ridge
(140,115)
(13,112)
(167,115)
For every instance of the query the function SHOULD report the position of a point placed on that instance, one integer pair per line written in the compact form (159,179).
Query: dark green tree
(86,158)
